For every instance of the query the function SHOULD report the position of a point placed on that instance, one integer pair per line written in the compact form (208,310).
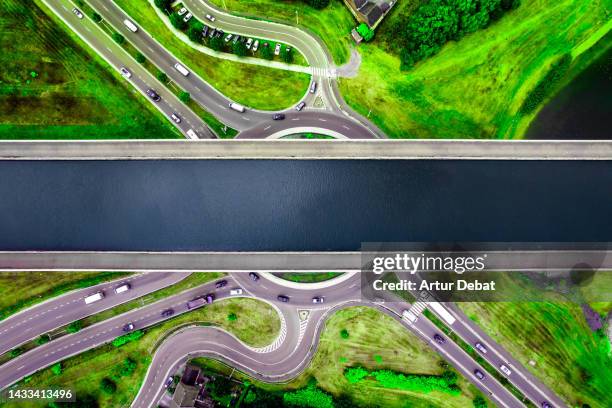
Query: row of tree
(435,22)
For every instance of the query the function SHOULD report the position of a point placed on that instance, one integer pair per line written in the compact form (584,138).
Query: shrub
(56,368)
(344,334)
(126,338)
(365,32)
(15,352)
(108,386)
(318,4)
(177,21)
(74,326)
(287,55)
(163,5)
(232,317)
(140,58)
(43,339)
(184,96)
(119,39)
(96,17)
(479,402)
(195,31)
(239,49)
(310,396)
(162,77)
(266,52)
(215,43)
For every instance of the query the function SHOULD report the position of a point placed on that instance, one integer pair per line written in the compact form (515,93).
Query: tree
(344,334)
(162,77)
(184,96)
(266,52)
(239,49)
(365,32)
(43,339)
(74,326)
(286,55)
(177,21)
(163,4)
(318,4)
(108,386)
(479,402)
(195,31)
(56,368)
(119,39)
(140,58)
(232,317)
(216,43)
(96,17)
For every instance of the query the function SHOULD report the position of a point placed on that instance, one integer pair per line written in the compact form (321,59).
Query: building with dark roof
(371,12)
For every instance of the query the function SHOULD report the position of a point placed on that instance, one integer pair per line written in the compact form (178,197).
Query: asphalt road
(60,311)
(117,57)
(286,357)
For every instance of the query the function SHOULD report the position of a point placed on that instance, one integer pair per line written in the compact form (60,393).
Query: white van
(130,25)
(236,291)
(123,288)
(191,134)
(237,107)
(94,298)
(181,69)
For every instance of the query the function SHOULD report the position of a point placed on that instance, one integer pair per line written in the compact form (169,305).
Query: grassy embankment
(308,277)
(19,290)
(332,25)
(375,341)
(569,358)
(475,87)
(52,86)
(256,324)
(252,85)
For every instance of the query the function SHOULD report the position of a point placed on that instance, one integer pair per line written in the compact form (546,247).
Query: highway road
(282,360)
(117,57)
(60,311)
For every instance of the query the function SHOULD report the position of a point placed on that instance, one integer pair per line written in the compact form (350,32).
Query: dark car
(167,313)
(545,404)
(220,284)
(209,298)
(212,33)
(220,33)
(128,327)
(153,95)
(169,382)
(254,277)
(205,31)
(283,298)
(278,116)
(439,339)
(479,374)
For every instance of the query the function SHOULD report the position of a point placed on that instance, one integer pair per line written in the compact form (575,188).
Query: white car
(125,73)
(228,38)
(277,49)
(480,348)
(182,11)
(505,369)
(77,12)
(209,17)
(255,46)
(187,17)
(236,291)
(175,118)
(249,43)
(318,299)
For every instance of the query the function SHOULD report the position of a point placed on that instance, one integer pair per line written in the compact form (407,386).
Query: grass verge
(472,88)
(252,85)
(52,86)
(256,324)
(309,277)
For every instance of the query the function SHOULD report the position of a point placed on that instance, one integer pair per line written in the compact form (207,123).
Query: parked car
(182,11)
(175,118)
(480,348)
(318,299)
(167,313)
(255,46)
(228,38)
(236,292)
(77,12)
(220,284)
(300,106)
(505,369)
(205,31)
(278,116)
(211,18)
(236,39)
(283,298)
(479,374)
(439,339)
(187,17)
(212,33)
(153,95)
(277,49)
(254,277)
(209,298)
(125,73)
(249,43)
(128,327)
(220,33)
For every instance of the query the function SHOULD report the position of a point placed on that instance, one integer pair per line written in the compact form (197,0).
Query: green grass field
(333,24)
(257,324)
(570,359)
(19,290)
(52,86)
(375,341)
(308,277)
(252,85)
(474,87)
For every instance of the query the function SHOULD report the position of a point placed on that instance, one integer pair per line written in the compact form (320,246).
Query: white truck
(94,298)
(237,107)
(181,69)
(122,288)
(191,134)
(408,315)
(130,25)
